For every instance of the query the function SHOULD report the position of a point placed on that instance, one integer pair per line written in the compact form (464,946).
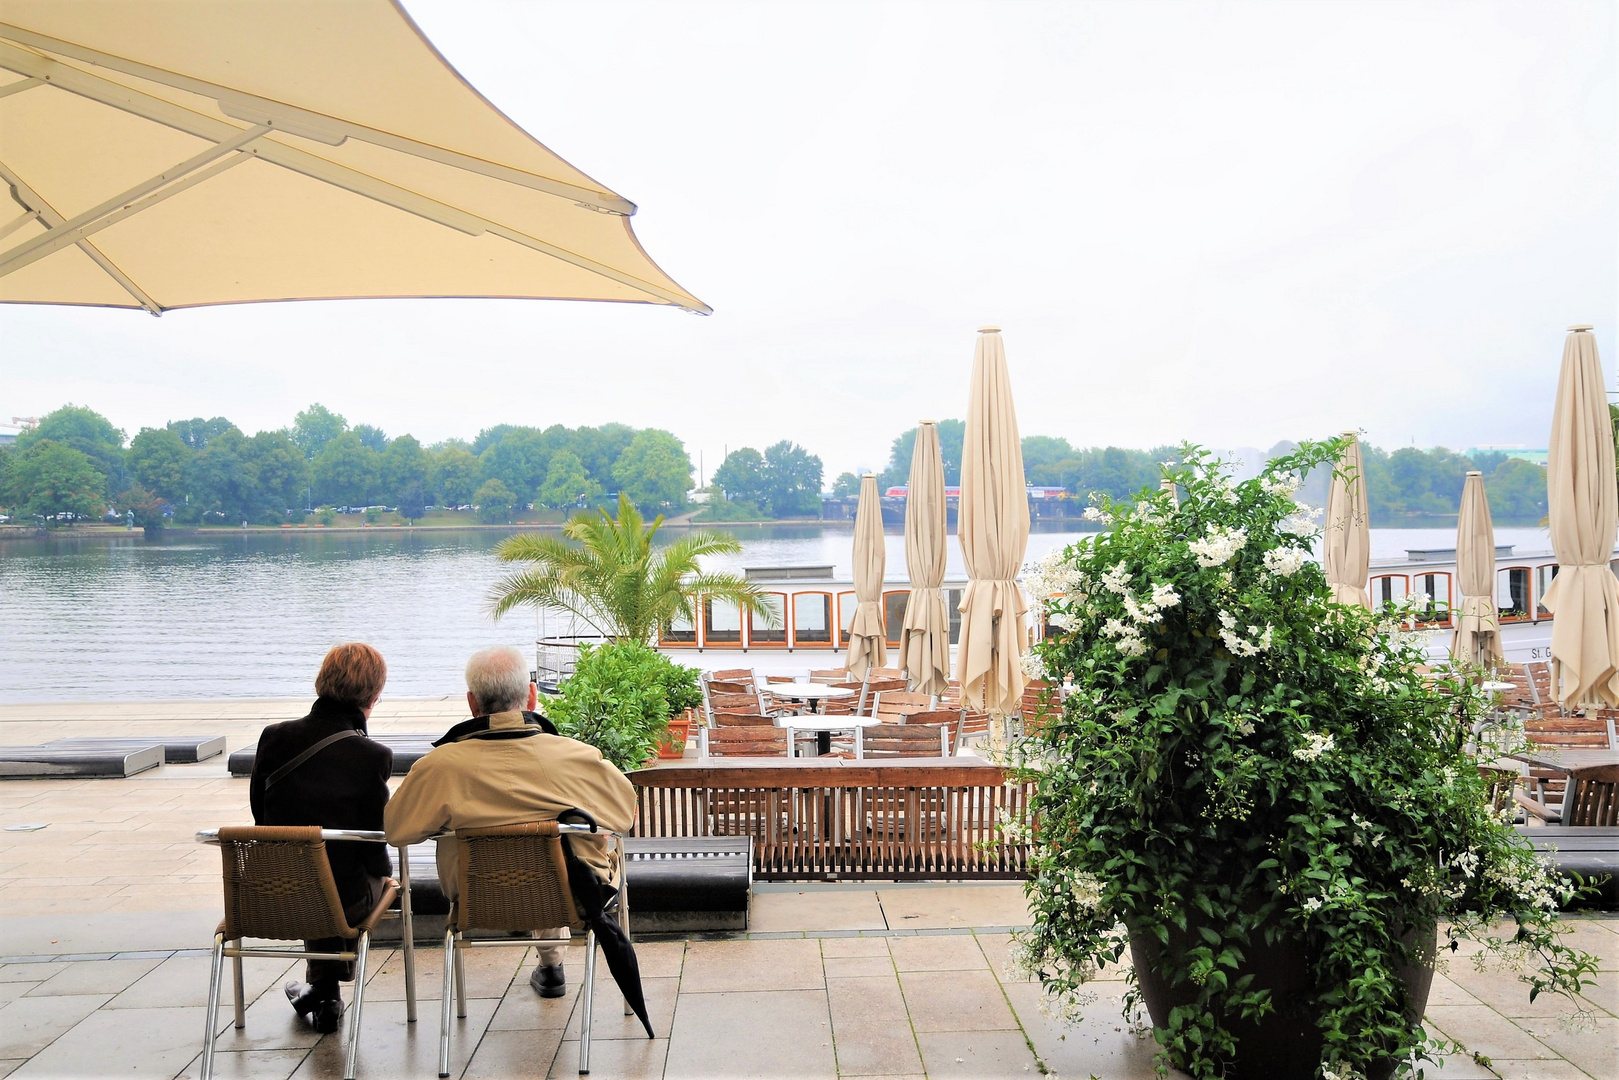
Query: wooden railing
(832,819)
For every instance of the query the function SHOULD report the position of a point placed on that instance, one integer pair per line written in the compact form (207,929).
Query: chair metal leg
(241,997)
(409,933)
(587,1000)
(359,1005)
(444,1000)
(212,1017)
(461,982)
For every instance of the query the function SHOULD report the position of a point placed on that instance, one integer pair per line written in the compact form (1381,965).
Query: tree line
(76,464)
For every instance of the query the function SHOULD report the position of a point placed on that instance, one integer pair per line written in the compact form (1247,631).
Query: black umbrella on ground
(593,898)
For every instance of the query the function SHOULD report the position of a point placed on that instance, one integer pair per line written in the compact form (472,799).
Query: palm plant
(605,571)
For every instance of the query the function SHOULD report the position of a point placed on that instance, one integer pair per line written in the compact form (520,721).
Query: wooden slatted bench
(832,819)
(1592,851)
(177,749)
(408,750)
(57,762)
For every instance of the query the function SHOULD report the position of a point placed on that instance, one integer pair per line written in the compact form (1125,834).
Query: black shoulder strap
(281,773)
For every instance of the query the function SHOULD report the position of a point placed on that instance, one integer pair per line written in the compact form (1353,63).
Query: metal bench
(177,749)
(56,762)
(1591,851)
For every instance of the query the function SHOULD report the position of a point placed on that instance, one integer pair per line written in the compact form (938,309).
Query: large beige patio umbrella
(172,153)
(1584,518)
(868,640)
(1347,540)
(993,524)
(1478,633)
(925,643)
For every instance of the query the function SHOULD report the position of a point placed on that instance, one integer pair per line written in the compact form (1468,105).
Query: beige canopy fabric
(173,153)
(925,644)
(1347,540)
(993,523)
(1584,519)
(1478,633)
(868,640)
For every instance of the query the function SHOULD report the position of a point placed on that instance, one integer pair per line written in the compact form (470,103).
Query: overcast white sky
(1225,222)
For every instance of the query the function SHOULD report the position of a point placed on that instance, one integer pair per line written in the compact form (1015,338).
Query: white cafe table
(824,726)
(811,692)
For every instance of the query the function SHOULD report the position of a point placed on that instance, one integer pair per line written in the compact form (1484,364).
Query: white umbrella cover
(1478,633)
(1347,541)
(868,641)
(925,644)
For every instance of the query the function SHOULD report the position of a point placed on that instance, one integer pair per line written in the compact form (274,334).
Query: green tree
(495,501)
(279,473)
(608,572)
(412,501)
(599,448)
(404,464)
(373,437)
(346,471)
(220,487)
(88,432)
(846,486)
(316,426)
(654,471)
(741,478)
(197,432)
(455,475)
(952,434)
(8,458)
(146,506)
(157,460)
(50,479)
(792,477)
(566,481)
(1517,489)
(519,458)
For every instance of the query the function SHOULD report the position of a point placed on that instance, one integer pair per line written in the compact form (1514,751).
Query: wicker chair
(902,740)
(744,740)
(278,885)
(514,878)
(892,706)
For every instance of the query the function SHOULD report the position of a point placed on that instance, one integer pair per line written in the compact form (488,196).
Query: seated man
(342,784)
(507,767)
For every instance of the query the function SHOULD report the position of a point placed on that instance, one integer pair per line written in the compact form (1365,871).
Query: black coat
(345,786)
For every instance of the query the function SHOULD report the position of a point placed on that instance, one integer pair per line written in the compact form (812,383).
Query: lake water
(251,614)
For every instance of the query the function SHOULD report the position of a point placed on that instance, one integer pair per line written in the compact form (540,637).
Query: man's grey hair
(497,678)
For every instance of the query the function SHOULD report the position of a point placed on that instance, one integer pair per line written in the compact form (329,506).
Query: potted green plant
(1257,794)
(621,699)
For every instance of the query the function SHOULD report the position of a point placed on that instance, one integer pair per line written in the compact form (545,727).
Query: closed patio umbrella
(1478,633)
(173,153)
(925,644)
(868,641)
(1584,518)
(1347,540)
(993,525)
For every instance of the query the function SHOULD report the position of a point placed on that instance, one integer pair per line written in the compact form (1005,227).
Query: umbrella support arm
(145,194)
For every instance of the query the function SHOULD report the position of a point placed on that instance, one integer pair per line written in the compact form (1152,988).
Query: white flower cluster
(1116,580)
(1239,645)
(1286,561)
(1302,523)
(1312,904)
(1034,668)
(1348,1072)
(1141,613)
(1466,862)
(1053,578)
(1151,610)
(1316,746)
(1219,546)
(1127,638)
(1527,879)
(1284,485)
(1223,488)
(1092,513)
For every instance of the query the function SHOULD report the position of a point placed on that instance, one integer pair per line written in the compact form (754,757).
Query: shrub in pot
(620,699)
(1257,793)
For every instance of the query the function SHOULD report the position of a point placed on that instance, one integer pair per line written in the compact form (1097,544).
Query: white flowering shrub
(1239,757)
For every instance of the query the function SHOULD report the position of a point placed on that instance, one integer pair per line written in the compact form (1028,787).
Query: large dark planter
(1286,1044)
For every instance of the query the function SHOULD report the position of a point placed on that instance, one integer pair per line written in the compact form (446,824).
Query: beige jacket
(479,783)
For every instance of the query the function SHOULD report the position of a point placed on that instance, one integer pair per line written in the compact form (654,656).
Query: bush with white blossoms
(1238,749)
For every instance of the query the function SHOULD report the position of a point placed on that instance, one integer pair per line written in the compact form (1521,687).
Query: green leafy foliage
(55,481)
(1240,759)
(495,501)
(620,699)
(654,471)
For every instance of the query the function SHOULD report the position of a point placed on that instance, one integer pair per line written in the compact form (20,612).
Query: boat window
(894,604)
(1388,589)
(1433,598)
(952,606)
(1543,581)
(760,632)
(812,619)
(722,623)
(678,631)
(846,606)
(1512,593)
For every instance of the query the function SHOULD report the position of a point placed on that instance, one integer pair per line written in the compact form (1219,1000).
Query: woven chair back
(905,740)
(743,702)
(844,706)
(513,877)
(720,688)
(893,705)
(739,719)
(737,674)
(278,884)
(1594,796)
(746,741)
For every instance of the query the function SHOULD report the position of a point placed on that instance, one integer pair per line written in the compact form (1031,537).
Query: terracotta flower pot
(674,739)
(1286,1044)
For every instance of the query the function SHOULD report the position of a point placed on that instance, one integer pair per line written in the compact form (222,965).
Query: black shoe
(328,1013)
(321,1005)
(548,981)
(303,997)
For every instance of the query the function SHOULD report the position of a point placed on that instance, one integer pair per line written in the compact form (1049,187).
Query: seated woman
(322,770)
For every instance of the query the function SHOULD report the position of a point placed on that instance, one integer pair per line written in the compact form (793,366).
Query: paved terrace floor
(108,910)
